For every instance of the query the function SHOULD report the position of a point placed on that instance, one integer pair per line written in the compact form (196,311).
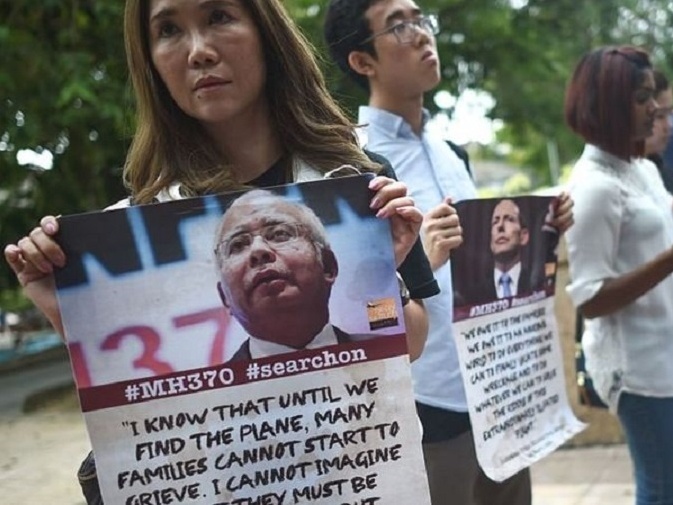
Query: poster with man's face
(243,348)
(509,253)
(504,280)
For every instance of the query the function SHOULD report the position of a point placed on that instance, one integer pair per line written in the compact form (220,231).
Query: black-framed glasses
(405,31)
(276,235)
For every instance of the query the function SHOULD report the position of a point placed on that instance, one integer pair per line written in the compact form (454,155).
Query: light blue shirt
(432,172)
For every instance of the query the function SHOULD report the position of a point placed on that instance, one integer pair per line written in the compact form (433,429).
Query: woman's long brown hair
(171,147)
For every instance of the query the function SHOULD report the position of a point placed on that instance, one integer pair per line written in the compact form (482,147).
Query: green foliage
(523,57)
(518,184)
(63,83)
(12,300)
(64,86)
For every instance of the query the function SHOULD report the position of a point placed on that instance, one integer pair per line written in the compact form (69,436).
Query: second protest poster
(504,278)
(243,348)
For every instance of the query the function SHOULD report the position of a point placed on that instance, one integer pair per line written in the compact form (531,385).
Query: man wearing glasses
(276,275)
(389,48)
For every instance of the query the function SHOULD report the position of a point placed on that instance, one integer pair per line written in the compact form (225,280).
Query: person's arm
(416,324)
(617,293)
(441,233)
(421,283)
(390,201)
(33,259)
(413,265)
(597,288)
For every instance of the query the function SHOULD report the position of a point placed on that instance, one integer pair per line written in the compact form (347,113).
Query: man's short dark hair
(345,28)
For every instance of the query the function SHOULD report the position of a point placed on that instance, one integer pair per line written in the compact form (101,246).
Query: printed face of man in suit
(508,235)
(274,263)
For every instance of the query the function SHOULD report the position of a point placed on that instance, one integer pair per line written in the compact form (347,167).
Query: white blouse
(623,219)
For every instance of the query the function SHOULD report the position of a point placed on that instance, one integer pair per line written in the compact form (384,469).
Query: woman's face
(209,55)
(644,107)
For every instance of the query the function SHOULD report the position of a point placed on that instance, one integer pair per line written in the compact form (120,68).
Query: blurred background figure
(656,144)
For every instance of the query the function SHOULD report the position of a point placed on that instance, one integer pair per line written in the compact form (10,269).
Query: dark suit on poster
(243,352)
(487,291)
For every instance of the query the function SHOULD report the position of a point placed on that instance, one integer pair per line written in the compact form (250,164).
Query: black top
(276,175)
(440,424)
(415,269)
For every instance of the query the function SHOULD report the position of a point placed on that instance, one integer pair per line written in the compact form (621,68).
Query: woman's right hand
(33,259)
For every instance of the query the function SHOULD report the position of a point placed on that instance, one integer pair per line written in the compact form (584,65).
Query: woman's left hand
(391,201)
(563,212)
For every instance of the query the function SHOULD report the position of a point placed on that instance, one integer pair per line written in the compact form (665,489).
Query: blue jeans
(648,425)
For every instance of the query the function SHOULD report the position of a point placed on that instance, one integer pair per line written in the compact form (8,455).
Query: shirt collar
(388,122)
(170,193)
(600,156)
(263,348)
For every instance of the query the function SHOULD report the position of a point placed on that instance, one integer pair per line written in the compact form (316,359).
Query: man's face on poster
(268,261)
(508,235)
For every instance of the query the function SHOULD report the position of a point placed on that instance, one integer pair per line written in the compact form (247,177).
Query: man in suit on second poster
(507,274)
(509,235)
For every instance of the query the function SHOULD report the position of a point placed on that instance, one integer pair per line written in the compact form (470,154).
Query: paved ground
(40,453)
(586,476)
(17,387)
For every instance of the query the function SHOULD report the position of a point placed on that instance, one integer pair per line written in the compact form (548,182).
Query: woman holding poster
(229,96)
(621,257)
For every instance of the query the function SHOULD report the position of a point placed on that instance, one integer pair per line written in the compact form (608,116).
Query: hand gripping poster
(243,349)
(504,278)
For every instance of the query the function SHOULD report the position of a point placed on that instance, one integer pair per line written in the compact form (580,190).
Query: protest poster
(160,305)
(504,278)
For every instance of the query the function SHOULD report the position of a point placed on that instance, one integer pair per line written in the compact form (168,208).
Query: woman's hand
(563,217)
(391,201)
(33,259)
